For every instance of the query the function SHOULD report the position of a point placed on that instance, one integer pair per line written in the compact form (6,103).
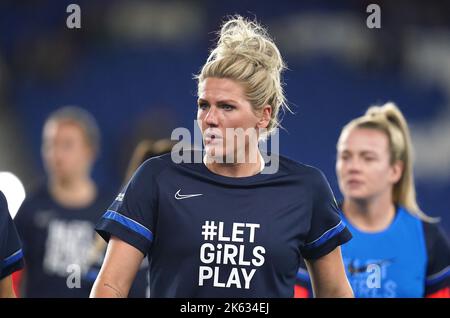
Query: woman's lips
(354,183)
(211,137)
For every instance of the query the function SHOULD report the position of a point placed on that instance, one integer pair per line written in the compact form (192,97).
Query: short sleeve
(327,230)
(131,217)
(438,251)
(11,255)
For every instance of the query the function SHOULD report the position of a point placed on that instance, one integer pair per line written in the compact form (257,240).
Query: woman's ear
(397,171)
(266,115)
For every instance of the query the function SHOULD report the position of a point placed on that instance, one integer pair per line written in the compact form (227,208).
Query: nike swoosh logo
(179,196)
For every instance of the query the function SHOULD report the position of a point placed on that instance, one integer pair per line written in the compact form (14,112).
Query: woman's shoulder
(301,169)
(155,165)
(407,214)
(37,196)
(434,231)
(431,230)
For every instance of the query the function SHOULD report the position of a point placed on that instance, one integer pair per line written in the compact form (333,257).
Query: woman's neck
(236,170)
(370,215)
(76,193)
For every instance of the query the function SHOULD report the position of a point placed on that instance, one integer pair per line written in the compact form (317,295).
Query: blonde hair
(389,119)
(245,53)
(146,149)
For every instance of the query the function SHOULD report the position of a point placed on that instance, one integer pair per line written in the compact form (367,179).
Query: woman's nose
(211,118)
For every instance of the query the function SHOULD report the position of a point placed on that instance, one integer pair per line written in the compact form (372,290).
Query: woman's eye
(227,107)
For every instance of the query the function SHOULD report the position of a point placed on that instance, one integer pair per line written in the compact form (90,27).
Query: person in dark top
(219,223)
(56,222)
(11,256)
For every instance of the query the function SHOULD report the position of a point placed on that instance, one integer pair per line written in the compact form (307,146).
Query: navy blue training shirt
(208,235)
(11,256)
(58,241)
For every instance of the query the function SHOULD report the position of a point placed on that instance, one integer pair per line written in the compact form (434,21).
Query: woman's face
(222,109)
(363,164)
(65,150)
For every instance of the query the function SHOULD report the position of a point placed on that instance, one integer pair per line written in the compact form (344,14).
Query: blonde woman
(397,250)
(227,229)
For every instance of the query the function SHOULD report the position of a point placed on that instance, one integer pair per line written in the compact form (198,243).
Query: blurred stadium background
(131,65)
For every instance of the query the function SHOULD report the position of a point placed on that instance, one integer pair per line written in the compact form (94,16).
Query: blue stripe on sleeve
(129,223)
(303,275)
(13,258)
(436,278)
(327,235)
(92,274)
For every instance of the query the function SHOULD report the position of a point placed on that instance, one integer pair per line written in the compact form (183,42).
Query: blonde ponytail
(389,119)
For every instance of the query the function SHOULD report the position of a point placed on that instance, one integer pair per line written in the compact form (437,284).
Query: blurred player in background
(396,250)
(56,221)
(146,149)
(11,256)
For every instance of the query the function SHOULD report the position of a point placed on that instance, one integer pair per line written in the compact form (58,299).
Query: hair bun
(239,37)
(245,53)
